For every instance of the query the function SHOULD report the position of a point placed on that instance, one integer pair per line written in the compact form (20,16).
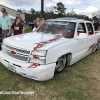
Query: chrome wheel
(60,64)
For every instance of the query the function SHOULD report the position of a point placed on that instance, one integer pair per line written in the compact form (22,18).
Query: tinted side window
(81,28)
(90,28)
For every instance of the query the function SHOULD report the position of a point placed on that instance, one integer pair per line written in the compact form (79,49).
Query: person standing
(42,19)
(96,25)
(17,27)
(5,23)
(37,22)
(23,24)
(23,28)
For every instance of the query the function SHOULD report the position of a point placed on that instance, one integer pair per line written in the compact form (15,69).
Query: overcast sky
(80,6)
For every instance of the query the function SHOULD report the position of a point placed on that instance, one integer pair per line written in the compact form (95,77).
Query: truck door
(81,45)
(91,38)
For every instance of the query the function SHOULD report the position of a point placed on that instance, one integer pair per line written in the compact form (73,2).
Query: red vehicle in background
(0,36)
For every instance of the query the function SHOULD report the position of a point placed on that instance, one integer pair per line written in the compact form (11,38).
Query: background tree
(52,13)
(32,11)
(71,12)
(50,9)
(49,13)
(22,11)
(19,10)
(60,9)
(96,13)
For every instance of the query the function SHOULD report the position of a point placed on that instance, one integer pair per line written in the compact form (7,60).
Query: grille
(22,55)
(18,50)
(19,57)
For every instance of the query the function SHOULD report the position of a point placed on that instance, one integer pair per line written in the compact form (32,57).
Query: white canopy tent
(12,17)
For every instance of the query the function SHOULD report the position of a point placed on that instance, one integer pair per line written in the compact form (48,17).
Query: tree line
(52,12)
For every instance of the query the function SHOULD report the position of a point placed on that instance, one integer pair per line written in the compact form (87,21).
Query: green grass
(81,81)
(27,29)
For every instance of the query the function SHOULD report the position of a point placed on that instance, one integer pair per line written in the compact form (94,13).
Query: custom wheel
(60,64)
(98,46)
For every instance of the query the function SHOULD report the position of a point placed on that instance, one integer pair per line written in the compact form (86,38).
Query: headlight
(38,57)
(39,52)
(38,61)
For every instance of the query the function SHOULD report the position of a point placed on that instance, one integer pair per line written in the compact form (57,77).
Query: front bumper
(40,73)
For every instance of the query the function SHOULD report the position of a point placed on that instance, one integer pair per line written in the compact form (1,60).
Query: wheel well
(68,58)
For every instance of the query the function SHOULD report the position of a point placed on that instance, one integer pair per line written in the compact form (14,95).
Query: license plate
(12,68)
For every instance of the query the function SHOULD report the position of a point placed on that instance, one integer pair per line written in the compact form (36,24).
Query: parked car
(31,24)
(57,43)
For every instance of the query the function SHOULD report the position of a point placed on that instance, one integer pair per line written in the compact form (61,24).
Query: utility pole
(42,7)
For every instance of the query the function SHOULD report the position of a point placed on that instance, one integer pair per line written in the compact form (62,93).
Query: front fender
(55,53)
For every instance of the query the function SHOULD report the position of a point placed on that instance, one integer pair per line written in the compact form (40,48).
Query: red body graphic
(39,45)
(34,65)
(36,57)
(94,46)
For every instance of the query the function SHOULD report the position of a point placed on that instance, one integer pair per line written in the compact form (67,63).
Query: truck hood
(35,41)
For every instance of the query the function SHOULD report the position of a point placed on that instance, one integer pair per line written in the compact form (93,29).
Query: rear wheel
(60,64)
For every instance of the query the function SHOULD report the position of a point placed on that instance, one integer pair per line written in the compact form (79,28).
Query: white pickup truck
(55,44)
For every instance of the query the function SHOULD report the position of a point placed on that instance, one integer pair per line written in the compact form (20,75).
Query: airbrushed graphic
(39,45)
(94,46)
(35,57)
(34,65)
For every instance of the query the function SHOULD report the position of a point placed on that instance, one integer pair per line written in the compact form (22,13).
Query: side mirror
(82,36)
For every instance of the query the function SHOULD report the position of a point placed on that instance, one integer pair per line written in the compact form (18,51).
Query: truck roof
(69,19)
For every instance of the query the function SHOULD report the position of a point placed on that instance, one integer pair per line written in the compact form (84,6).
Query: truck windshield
(66,29)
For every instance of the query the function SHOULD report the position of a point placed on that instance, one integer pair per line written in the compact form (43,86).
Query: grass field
(27,29)
(81,81)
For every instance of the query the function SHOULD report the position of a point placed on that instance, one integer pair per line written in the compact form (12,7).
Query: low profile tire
(98,46)
(60,64)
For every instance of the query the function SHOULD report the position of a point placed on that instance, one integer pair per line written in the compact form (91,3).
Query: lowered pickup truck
(57,43)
